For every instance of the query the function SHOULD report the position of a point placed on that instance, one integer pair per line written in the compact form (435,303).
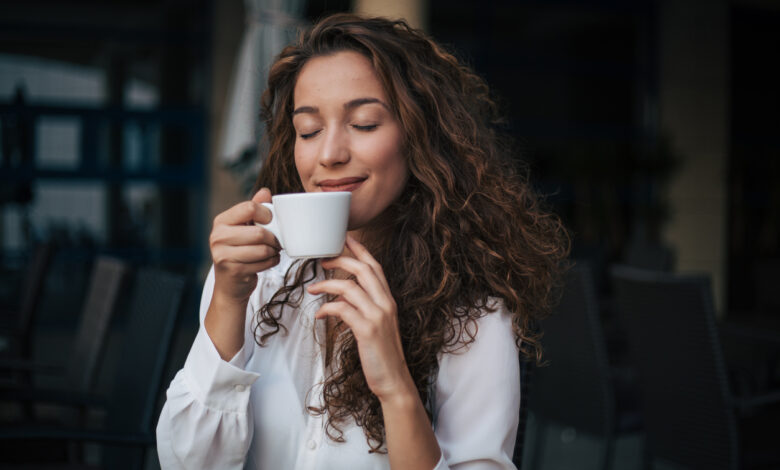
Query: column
(415,12)
(694,110)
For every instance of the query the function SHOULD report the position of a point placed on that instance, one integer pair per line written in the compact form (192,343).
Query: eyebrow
(348,106)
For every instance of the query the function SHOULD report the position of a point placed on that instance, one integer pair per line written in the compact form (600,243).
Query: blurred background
(650,126)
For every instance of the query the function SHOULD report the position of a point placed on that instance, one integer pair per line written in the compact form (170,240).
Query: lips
(342,184)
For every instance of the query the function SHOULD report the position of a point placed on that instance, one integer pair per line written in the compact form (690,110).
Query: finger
(350,292)
(248,254)
(365,275)
(348,314)
(261,266)
(253,253)
(334,309)
(263,195)
(253,268)
(361,253)
(238,235)
(244,213)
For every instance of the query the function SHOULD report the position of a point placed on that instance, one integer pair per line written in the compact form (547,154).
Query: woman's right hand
(240,249)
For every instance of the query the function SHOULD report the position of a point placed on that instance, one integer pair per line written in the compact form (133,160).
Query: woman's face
(347,138)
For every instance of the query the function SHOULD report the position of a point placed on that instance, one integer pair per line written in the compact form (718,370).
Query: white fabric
(251,412)
(270,25)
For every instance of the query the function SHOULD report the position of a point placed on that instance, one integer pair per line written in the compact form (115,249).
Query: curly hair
(468,227)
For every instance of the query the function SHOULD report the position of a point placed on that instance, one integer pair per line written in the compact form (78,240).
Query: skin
(347,138)
(239,250)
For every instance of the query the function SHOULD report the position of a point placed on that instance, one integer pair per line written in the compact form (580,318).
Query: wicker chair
(691,417)
(577,388)
(131,407)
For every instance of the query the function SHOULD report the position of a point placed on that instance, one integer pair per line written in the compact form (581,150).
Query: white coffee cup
(310,225)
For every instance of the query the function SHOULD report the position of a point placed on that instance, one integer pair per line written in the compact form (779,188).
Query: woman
(403,352)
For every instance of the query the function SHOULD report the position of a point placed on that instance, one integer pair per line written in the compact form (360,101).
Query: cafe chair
(577,386)
(692,419)
(131,406)
(16,323)
(526,374)
(766,272)
(79,370)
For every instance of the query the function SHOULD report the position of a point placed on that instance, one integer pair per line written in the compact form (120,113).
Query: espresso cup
(310,225)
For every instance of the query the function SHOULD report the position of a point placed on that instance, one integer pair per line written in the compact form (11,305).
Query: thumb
(264,195)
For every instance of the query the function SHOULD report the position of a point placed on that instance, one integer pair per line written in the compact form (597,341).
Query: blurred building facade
(648,124)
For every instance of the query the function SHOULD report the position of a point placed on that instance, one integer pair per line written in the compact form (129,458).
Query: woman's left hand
(367,307)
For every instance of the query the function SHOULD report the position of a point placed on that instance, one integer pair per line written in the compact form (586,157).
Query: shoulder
(497,320)
(494,345)
(494,325)
(487,368)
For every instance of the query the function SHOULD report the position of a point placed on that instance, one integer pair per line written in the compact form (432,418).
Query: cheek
(401,175)
(382,152)
(394,165)
(394,173)
(304,166)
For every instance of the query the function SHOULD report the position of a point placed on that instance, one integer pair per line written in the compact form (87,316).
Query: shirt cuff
(217,384)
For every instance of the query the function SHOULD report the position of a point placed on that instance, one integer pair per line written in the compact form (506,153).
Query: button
(312,444)
(240,387)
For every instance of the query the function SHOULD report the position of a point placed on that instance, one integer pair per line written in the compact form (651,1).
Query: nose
(335,148)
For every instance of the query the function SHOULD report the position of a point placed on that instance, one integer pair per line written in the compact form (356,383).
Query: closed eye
(309,135)
(367,128)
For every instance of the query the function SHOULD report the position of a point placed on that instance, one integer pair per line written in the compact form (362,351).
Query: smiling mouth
(343,184)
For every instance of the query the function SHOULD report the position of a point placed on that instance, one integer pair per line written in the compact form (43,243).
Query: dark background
(576,81)
(579,82)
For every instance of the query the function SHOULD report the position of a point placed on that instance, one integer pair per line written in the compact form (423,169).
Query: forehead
(342,76)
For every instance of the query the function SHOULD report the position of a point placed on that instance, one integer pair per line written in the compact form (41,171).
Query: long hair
(467,228)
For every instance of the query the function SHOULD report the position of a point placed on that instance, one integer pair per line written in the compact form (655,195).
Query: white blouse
(251,412)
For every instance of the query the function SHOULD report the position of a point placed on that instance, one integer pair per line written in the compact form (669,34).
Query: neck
(358,234)
(371,234)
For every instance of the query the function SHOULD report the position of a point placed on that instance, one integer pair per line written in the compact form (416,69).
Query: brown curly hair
(467,226)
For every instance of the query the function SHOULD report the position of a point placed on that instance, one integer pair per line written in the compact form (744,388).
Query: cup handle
(272,225)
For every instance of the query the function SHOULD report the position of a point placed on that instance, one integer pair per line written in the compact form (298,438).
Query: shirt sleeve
(206,421)
(477,398)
